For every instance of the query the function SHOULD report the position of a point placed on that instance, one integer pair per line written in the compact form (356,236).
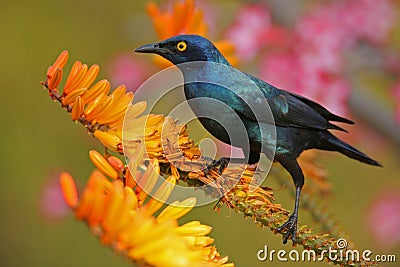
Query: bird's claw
(291,226)
(222,163)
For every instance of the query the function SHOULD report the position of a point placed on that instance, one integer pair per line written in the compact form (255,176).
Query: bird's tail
(335,144)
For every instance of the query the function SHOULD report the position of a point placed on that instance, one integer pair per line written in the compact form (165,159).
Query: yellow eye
(181,46)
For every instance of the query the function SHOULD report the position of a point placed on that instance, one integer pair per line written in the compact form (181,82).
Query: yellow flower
(116,205)
(123,218)
(103,113)
(88,104)
(103,165)
(184,18)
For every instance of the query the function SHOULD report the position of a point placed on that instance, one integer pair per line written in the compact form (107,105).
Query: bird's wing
(321,110)
(293,110)
(290,111)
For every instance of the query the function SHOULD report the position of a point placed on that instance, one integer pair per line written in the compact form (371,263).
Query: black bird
(300,123)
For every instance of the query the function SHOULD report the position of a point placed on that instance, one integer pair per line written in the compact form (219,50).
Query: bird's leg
(222,163)
(291,224)
(298,178)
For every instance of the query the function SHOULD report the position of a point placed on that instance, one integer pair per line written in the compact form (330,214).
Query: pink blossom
(324,34)
(248,30)
(51,202)
(281,70)
(323,27)
(322,38)
(340,23)
(369,19)
(321,59)
(383,218)
(330,91)
(277,36)
(124,69)
(286,71)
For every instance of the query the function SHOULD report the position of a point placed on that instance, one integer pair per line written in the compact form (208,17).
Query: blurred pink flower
(248,30)
(383,218)
(332,91)
(281,70)
(321,34)
(369,19)
(124,69)
(314,65)
(338,24)
(322,27)
(51,202)
(322,38)
(286,71)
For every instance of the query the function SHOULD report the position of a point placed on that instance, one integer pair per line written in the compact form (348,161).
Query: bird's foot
(222,163)
(291,228)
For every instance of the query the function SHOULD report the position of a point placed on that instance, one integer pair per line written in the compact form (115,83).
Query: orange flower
(54,72)
(184,18)
(228,50)
(123,218)
(103,113)
(69,189)
(89,104)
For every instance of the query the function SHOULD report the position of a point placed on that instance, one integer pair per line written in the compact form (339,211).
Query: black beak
(149,48)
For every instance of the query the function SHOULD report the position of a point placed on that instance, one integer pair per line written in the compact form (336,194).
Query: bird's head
(184,48)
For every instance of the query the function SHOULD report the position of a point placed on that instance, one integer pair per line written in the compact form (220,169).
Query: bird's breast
(216,116)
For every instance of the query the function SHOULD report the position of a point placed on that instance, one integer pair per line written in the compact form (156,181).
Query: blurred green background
(38,140)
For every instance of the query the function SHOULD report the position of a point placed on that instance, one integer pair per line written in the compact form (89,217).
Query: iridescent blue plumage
(300,123)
